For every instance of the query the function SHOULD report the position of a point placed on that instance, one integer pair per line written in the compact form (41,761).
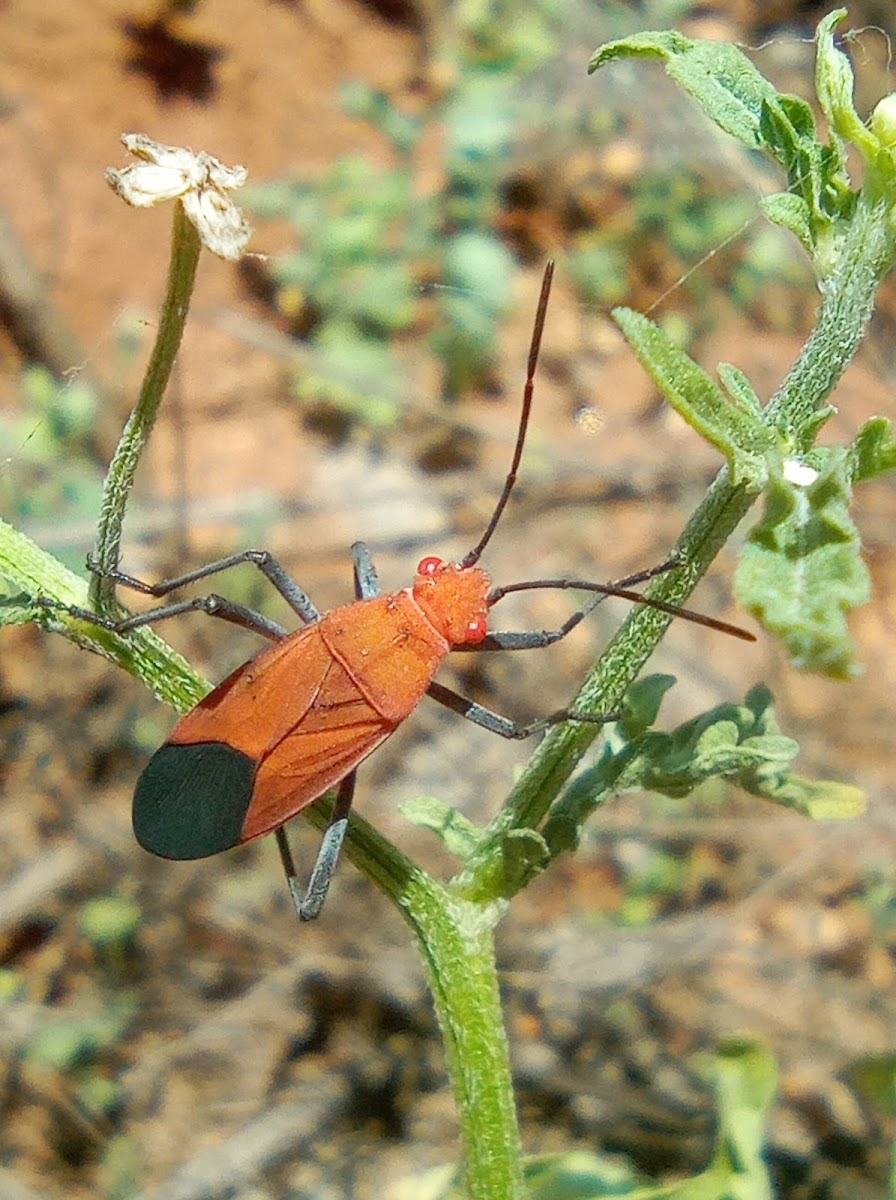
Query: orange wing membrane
(285,727)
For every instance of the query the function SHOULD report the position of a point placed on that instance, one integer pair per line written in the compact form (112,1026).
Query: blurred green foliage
(47,463)
(75,1045)
(385,250)
(370,240)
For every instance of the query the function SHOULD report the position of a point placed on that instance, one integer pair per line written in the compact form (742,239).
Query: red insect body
(311,708)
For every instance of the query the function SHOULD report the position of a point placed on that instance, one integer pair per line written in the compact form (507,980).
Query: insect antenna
(603,589)
(476,553)
(618,589)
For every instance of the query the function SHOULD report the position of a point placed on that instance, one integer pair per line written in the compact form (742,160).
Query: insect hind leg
(309,903)
(367,584)
(494,722)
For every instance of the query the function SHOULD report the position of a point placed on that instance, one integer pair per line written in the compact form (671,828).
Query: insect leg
(531,639)
(366,582)
(214,606)
(294,596)
(309,905)
(503,726)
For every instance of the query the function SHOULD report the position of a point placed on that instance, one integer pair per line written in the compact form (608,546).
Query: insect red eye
(476,630)
(428,566)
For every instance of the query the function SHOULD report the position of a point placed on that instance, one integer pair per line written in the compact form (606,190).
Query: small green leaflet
(731,423)
(744,104)
(801,570)
(741,743)
(721,79)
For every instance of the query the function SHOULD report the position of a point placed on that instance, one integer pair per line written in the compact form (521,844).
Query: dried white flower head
(199,181)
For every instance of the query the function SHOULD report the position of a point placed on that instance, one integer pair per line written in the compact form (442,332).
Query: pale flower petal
(145,185)
(199,181)
(225,177)
(143,146)
(221,225)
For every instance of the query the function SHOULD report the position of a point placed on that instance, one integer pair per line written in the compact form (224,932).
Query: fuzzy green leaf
(816,173)
(873,452)
(642,704)
(740,743)
(739,388)
(834,82)
(736,430)
(721,79)
(737,742)
(744,104)
(820,799)
(790,212)
(460,835)
(525,854)
(801,570)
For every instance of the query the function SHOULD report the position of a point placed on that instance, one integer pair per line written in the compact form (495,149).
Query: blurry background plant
(369,242)
(53,456)
(50,439)
(385,263)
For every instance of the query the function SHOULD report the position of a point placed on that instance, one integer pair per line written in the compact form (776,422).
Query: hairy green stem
(185,247)
(867,254)
(457,945)
(457,941)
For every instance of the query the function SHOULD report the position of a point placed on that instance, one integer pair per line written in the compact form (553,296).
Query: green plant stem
(142,653)
(866,255)
(457,941)
(457,945)
(185,247)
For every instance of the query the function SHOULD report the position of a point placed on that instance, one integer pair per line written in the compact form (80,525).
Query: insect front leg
(213,606)
(276,575)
